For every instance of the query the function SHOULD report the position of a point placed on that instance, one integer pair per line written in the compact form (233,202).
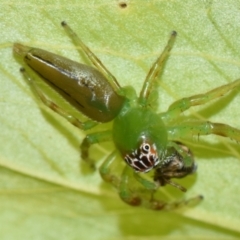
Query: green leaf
(44,194)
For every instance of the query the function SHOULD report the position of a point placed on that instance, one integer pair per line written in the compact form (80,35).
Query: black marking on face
(144,158)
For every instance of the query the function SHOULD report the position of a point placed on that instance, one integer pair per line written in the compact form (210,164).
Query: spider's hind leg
(50,104)
(89,139)
(91,56)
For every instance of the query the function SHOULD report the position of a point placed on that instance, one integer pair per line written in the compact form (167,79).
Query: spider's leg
(146,183)
(106,170)
(50,104)
(155,70)
(191,128)
(92,57)
(133,198)
(125,192)
(185,103)
(160,205)
(89,139)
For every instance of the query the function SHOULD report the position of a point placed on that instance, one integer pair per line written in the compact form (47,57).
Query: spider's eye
(145,148)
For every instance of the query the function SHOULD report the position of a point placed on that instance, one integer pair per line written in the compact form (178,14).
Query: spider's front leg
(123,183)
(135,198)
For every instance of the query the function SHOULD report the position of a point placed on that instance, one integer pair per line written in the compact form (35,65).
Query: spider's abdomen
(83,86)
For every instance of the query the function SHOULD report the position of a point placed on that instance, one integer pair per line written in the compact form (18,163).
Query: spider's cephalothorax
(100,97)
(144,158)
